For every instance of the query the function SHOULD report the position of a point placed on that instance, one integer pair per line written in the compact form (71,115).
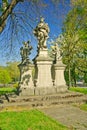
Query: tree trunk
(73,75)
(6,13)
(69,76)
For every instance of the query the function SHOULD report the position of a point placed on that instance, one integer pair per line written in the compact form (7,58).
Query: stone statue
(41,32)
(25,52)
(56,52)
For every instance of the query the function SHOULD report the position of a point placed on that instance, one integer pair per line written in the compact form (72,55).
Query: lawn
(79,89)
(6,90)
(83,107)
(28,120)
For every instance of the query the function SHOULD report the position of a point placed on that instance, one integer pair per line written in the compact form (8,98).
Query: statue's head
(25,44)
(41,19)
(28,42)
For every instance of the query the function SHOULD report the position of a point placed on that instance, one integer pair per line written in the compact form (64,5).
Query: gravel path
(68,115)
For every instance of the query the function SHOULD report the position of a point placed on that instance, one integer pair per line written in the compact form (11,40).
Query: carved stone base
(45,90)
(61,89)
(26,86)
(50,90)
(26,91)
(42,90)
(59,74)
(43,65)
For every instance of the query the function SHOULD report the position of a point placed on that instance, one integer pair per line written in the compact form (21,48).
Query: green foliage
(74,41)
(9,73)
(79,89)
(85,77)
(28,120)
(13,69)
(15,85)
(4,76)
(66,75)
(5,4)
(7,90)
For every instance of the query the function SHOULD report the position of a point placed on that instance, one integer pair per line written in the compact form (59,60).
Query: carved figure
(41,32)
(56,52)
(25,51)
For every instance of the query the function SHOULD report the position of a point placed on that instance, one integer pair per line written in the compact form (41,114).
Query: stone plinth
(44,84)
(60,83)
(26,79)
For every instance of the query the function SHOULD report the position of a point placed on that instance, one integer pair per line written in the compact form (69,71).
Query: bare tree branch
(6,13)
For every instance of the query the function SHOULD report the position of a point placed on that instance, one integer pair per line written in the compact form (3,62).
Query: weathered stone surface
(26,80)
(59,74)
(70,116)
(61,89)
(45,90)
(26,91)
(43,65)
(45,100)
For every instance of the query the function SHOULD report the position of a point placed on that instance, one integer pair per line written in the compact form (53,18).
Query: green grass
(83,107)
(28,120)
(79,89)
(7,90)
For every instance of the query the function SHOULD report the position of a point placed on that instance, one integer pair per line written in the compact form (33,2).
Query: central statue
(41,32)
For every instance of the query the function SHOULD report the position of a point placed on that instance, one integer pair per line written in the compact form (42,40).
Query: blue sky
(11,42)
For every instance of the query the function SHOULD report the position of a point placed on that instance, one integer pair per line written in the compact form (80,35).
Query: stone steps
(46,100)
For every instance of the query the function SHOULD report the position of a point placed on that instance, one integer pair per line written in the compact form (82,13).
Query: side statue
(25,52)
(56,52)
(41,32)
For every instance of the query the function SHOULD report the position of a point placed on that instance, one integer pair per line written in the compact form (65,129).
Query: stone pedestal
(60,83)
(44,84)
(26,79)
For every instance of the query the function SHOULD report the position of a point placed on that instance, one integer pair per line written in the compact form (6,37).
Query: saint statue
(56,52)
(25,52)
(41,32)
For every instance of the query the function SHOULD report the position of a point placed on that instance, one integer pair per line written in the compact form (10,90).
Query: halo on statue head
(41,19)
(25,43)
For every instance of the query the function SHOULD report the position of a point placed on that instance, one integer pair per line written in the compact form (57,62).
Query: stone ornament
(25,52)
(56,52)
(41,32)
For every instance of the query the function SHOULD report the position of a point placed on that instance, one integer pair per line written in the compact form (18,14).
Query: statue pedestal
(60,84)
(44,84)
(26,80)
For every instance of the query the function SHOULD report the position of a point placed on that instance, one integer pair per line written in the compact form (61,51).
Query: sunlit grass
(7,90)
(79,89)
(28,120)
(83,107)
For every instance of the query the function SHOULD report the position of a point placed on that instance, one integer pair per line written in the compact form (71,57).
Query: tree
(4,76)
(13,70)
(74,44)
(7,9)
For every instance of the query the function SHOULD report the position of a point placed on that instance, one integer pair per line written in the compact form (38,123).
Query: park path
(68,115)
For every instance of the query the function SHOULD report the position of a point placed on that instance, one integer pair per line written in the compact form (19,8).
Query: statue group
(43,82)
(41,32)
